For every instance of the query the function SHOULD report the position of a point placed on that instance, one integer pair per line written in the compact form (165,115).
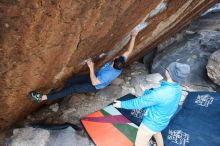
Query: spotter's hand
(142,87)
(117,104)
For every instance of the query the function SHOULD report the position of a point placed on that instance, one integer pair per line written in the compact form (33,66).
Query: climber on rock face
(160,104)
(93,81)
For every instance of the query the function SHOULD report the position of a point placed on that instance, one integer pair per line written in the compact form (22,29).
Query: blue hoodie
(161,104)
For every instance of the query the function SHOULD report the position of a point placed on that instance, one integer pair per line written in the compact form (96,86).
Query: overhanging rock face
(44,42)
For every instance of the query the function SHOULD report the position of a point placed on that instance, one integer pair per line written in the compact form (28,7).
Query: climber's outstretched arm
(131,45)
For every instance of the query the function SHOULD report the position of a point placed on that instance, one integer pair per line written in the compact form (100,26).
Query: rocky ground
(194,46)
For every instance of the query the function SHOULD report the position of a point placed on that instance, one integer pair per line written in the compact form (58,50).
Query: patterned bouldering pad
(197,123)
(108,127)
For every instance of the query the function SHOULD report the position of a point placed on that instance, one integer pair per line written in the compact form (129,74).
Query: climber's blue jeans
(79,84)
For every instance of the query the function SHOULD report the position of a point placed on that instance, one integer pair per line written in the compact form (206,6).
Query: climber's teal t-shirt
(107,74)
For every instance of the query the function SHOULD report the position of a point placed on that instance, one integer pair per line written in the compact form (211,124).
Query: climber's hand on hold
(90,63)
(131,45)
(134,33)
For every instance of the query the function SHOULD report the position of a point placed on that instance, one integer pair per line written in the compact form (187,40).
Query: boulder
(54,107)
(118,81)
(41,137)
(213,67)
(67,137)
(29,137)
(147,81)
(148,58)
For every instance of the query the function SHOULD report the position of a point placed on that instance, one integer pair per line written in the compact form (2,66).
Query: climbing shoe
(36,96)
